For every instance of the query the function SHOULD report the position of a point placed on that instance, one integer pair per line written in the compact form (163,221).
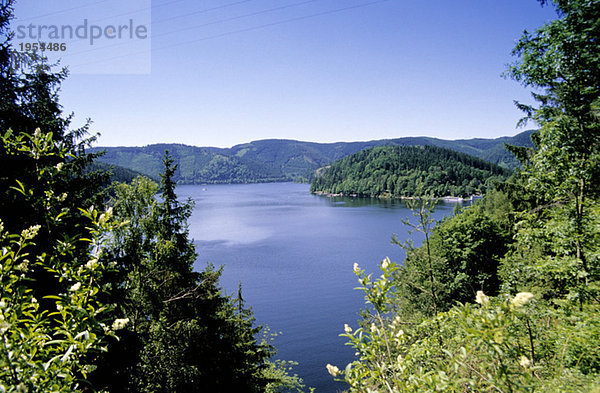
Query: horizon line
(304,141)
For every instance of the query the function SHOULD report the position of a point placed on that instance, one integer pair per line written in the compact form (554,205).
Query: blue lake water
(293,253)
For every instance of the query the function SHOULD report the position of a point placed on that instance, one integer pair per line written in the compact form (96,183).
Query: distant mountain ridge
(271,160)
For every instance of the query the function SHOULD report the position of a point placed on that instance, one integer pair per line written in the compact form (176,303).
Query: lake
(293,253)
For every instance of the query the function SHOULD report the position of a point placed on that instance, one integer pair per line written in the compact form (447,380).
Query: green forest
(505,295)
(276,160)
(98,294)
(402,171)
(97,287)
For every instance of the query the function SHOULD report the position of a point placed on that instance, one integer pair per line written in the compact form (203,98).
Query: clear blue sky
(318,71)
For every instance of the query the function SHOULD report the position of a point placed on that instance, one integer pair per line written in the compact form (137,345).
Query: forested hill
(284,160)
(394,171)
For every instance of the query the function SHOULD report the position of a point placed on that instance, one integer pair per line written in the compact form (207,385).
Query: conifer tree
(29,101)
(31,116)
(561,60)
(203,339)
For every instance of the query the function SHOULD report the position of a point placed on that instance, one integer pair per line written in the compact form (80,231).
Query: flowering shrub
(42,349)
(505,344)
(47,342)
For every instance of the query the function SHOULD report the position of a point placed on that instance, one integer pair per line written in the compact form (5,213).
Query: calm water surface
(293,253)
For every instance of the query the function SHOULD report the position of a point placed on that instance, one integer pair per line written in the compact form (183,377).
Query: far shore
(470,198)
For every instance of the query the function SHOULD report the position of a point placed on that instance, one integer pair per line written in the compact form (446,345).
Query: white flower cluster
(333,370)
(104,217)
(482,299)
(92,264)
(525,362)
(386,263)
(521,299)
(120,323)
(30,232)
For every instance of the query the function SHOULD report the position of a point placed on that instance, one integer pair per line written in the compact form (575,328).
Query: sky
(225,72)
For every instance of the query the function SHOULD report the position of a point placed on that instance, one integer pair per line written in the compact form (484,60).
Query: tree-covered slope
(116,173)
(194,164)
(505,295)
(395,171)
(284,160)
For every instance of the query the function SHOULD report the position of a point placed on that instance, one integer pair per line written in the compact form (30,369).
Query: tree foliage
(49,332)
(465,252)
(74,277)
(286,160)
(180,319)
(562,61)
(57,181)
(509,343)
(540,242)
(397,171)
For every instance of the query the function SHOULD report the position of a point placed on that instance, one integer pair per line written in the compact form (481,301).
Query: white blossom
(385,264)
(30,232)
(104,217)
(92,264)
(521,299)
(120,323)
(482,299)
(75,287)
(356,268)
(347,328)
(525,362)
(23,266)
(333,370)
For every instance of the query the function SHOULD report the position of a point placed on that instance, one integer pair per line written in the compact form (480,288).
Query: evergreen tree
(202,339)
(395,171)
(545,337)
(184,334)
(562,61)
(29,102)
(50,328)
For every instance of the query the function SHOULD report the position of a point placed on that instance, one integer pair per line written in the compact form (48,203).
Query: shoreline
(455,199)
